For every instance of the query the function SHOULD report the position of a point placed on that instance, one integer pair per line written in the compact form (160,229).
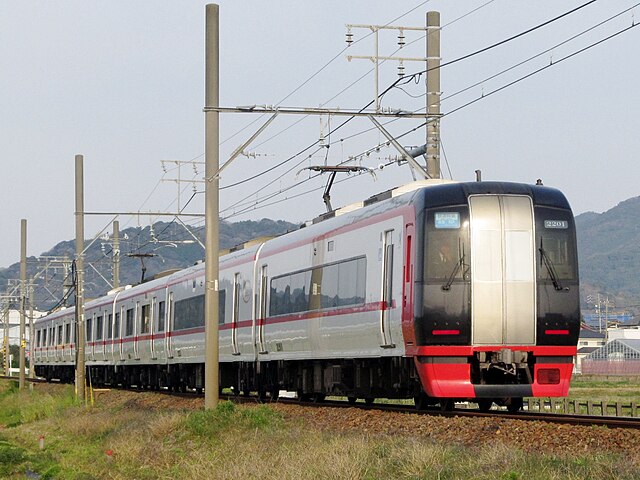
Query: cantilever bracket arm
(241,148)
(412,162)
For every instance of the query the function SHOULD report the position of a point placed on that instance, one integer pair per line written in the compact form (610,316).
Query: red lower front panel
(449,376)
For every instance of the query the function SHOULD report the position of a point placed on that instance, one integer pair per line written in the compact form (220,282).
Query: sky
(122,83)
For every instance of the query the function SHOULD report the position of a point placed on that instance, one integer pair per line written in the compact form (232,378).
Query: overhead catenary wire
(409,78)
(484,96)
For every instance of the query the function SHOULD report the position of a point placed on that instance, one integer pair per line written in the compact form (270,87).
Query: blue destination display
(447,220)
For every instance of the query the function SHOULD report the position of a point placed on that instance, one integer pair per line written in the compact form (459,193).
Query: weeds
(126,439)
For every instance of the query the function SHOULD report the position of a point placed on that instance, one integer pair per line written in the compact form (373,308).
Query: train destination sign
(447,220)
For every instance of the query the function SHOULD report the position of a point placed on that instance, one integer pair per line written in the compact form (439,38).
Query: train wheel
(484,404)
(515,404)
(275,394)
(318,397)
(446,404)
(352,400)
(421,401)
(369,400)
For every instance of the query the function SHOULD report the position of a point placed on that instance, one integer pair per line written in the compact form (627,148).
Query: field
(140,435)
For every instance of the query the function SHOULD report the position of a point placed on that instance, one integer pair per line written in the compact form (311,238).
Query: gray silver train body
(354,304)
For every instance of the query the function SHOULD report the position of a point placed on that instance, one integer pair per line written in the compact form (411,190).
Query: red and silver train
(438,291)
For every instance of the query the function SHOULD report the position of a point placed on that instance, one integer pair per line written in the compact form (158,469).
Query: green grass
(126,439)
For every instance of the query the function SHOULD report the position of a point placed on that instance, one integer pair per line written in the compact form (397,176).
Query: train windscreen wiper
(459,264)
(550,268)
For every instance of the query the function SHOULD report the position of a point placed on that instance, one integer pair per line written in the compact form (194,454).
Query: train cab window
(110,326)
(59,334)
(89,329)
(145,320)
(99,328)
(128,327)
(116,326)
(162,313)
(447,244)
(556,255)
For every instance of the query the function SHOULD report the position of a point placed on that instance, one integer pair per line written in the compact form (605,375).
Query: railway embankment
(139,434)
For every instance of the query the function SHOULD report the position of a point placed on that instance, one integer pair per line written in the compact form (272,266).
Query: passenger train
(438,290)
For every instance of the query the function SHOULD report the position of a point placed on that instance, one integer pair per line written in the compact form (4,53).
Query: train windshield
(447,249)
(555,245)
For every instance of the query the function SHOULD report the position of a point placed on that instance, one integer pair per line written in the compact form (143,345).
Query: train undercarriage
(311,380)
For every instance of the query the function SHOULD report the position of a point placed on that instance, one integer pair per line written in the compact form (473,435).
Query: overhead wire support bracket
(241,148)
(391,113)
(405,155)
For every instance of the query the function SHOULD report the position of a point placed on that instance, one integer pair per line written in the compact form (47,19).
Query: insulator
(349,38)
(400,70)
(401,41)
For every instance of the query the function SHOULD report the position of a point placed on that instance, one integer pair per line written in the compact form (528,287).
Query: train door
(152,326)
(160,342)
(262,310)
(387,290)
(137,322)
(235,312)
(407,288)
(169,325)
(503,299)
(120,329)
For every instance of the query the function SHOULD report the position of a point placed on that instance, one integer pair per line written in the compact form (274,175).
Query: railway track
(584,420)
(27,379)
(559,418)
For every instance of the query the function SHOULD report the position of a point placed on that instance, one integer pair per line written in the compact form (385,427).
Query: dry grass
(150,439)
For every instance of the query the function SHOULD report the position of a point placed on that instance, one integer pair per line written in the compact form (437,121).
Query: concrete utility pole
(115,255)
(80,379)
(23,299)
(31,331)
(433,94)
(5,340)
(211,209)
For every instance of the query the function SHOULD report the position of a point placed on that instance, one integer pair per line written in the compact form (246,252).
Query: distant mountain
(161,247)
(609,253)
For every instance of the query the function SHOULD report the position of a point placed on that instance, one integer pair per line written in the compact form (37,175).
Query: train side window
(59,334)
(222,298)
(128,329)
(145,320)
(330,286)
(116,326)
(89,329)
(99,328)
(110,326)
(38,338)
(188,313)
(67,333)
(161,316)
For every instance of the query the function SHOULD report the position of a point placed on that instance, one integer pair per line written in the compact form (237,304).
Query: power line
(409,78)
(457,109)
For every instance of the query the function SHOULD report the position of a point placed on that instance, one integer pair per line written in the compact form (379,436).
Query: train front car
(496,308)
